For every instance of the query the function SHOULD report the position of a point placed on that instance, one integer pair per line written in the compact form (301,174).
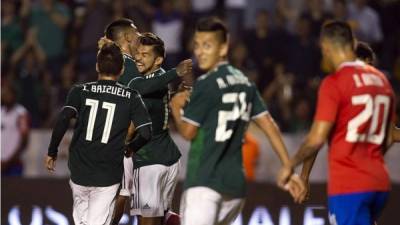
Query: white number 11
(94,104)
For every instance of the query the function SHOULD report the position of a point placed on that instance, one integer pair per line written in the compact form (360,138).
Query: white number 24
(372,109)
(239,110)
(94,104)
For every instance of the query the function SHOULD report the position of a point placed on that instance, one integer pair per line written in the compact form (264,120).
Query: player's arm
(145,86)
(141,123)
(187,130)
(69,111)
(59,130)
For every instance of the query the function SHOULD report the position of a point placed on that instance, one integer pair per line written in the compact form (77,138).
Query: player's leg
(80,197)
(230,209)
(149,199)
(200,206)
(350,209)
(101,204)
(378,204)
(168,191)
(125,192)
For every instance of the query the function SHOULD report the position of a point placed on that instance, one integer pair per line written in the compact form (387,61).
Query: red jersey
(359,100)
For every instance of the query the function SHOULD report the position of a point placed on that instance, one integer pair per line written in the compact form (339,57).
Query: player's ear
(223,52)
(159,61)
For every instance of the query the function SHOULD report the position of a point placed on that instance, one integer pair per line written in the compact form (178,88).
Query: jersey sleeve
(139,115)
(74,99)
(258,106)
(328,101)
(200,103)
(145,86)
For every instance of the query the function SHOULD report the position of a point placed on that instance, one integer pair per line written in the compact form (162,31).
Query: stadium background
(48,45)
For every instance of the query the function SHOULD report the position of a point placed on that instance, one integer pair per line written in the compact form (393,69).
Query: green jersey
(133,79)
(104,109)
(161,149)
(221,105)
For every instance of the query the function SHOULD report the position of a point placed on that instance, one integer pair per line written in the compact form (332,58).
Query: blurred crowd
(48,45)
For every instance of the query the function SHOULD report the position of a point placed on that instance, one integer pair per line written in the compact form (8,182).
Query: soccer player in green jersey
(151,174)
(214,120)
(125,34)
(103,109)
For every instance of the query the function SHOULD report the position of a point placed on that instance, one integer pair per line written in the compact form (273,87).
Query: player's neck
(107,77)
(341,57)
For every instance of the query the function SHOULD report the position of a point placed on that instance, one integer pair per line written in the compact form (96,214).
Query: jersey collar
(355,63)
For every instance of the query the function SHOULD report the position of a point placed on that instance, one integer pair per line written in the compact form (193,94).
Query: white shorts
(151,188)
(93,205)
(204,206)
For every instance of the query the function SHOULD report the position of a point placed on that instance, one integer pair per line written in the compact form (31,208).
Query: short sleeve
(328,101)
(258,105)
(139,115)
(200,103)
(74,99)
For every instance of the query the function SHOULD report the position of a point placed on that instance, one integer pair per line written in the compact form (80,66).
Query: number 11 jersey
(221,105)
(359,100)
(105,110)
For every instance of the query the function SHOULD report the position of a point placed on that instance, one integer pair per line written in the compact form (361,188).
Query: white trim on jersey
(190,121)
(149,123)
(351,63)
(68,106)
(260,114)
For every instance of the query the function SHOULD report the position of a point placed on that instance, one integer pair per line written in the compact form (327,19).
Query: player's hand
(50,163)
(179,100)
(184,68)
(284,176)
(103,40)
(305,194)
(296,188)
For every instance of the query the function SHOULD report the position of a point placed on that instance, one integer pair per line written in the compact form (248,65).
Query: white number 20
(238,111)
(372,109)
(94,104)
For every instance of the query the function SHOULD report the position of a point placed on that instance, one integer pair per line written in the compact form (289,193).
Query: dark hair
(365,52)
(338,32)
(115,27)
(110,59)
(151,39)
(213,24)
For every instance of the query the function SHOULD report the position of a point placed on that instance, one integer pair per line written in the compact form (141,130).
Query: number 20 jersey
(359,100)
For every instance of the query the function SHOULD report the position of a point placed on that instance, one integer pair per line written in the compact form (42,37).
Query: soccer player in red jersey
(355,113)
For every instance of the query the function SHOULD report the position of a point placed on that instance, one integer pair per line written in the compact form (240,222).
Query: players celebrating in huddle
(126,113)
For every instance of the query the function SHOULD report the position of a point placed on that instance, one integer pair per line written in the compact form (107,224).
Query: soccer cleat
(172,218)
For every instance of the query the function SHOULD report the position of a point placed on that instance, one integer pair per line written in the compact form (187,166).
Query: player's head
(210,42)
(336,38)
(365,53)
(150,53)
(124,33)
(8,95)
(110,61)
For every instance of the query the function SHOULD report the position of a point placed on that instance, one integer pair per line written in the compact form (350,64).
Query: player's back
(105,110)
(222,115)
(364,108)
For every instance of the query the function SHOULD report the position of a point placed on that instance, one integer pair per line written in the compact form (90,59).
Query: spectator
(260,42)
(251,154)
(51,18)
(365,22)
(89,23)
(168,25)
(235,17)
(316,14)
(301,118)
(304,58)
(339,10)
(11,32)
(241,60)
(28,72)
(14,133)
(203,8)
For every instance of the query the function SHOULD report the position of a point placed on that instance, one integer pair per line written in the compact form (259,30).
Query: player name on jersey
(232,80)
(119,91)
